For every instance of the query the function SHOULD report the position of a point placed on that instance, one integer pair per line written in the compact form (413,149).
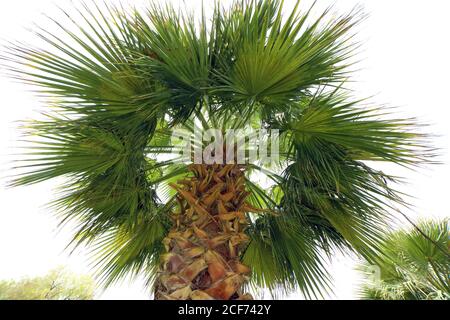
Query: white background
(405,62)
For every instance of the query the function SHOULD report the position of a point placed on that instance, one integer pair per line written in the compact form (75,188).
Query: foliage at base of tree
(57,284)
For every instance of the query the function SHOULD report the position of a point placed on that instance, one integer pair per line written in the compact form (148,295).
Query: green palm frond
(274,60)
(99,135)
(367,133)
(122,251)
(176,53)
(328,183)
(286,256)
(416,265)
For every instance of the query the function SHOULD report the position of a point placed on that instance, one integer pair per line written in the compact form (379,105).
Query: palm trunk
(204,247)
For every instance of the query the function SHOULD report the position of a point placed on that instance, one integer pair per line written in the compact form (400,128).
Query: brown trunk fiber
(203,249)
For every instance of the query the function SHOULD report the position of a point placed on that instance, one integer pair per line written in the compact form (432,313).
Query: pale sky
(405,63)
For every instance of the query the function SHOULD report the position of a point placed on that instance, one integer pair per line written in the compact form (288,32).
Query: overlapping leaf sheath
(203,249)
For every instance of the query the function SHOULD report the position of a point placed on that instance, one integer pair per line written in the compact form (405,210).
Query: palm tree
(118,83)
(416,265)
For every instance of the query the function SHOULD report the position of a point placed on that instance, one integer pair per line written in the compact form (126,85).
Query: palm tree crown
(118,83)
(416,265)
